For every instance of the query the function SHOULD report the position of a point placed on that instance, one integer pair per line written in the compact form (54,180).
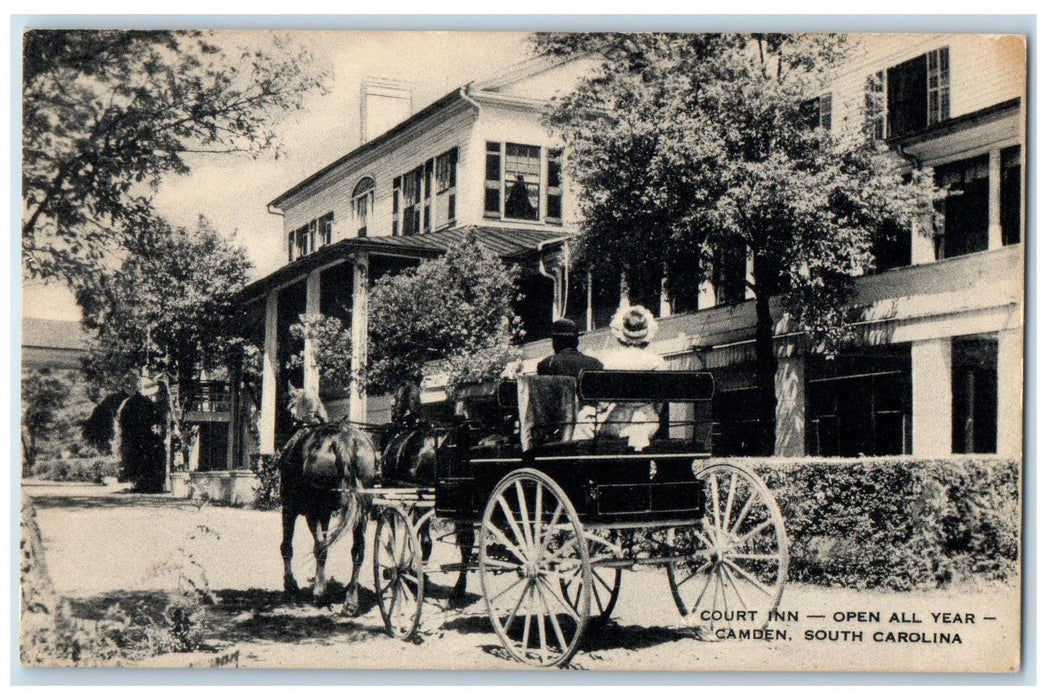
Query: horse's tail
(358,460)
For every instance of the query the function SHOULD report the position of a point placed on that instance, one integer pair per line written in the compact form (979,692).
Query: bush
(267,493)
(89,469)
(898,522)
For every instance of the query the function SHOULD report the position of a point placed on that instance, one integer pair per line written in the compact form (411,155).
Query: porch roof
(510,244)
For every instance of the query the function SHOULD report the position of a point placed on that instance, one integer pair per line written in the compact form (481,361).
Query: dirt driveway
(104,546)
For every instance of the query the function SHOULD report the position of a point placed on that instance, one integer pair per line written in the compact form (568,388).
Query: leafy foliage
(170,306)
(455,310)
(688,148)
(43,395)
(267,492)
(898,522)
(107,114)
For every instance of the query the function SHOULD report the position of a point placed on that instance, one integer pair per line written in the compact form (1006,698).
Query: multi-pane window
(908,97)
(523,177)
(396,205)
(325,229)
(307,238)
(875,106)
(412,197)
(966,207)
(424,198)
(819,112)
(554,185)
(363,204)
(445,183)
(937,86)
(1011,194)
(523,182)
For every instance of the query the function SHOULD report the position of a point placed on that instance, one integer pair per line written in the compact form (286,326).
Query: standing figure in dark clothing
(141,447)
(566,360)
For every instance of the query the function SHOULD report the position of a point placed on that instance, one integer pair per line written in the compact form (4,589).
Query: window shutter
(907,97)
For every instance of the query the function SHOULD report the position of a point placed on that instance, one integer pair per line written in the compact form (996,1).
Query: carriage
(564,484)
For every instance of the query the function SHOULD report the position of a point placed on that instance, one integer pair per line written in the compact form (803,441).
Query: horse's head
(305,406)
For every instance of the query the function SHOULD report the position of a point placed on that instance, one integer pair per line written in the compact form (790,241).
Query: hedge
(897,522)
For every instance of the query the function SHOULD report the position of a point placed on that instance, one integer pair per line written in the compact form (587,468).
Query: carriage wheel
(398,578)
(531,544)
(607,581)
(735,561)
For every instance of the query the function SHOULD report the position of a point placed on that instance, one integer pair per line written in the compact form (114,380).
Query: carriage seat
(548,408)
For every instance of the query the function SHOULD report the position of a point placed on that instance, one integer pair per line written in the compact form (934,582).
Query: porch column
(664,303)
(706,295)
(932,397)
(790,414)
(922,246)
(1009,367)
(358,392)
(310,372)
(995,227)
(267,414)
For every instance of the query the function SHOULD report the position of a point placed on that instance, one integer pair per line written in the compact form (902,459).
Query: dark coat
(569,362)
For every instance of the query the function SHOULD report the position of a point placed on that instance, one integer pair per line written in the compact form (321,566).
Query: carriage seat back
(645,386)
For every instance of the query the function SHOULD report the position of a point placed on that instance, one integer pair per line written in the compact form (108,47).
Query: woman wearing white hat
(633,327)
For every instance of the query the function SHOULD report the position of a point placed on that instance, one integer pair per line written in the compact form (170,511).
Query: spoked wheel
(732,567)
(398,577)
(532,544)
(607,581)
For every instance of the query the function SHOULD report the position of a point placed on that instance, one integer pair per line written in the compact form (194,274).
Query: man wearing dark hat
(566,360)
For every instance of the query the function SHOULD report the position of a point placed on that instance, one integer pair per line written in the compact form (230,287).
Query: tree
(456,310)
(692,150)
(43,396)
(107,114)
(170,306)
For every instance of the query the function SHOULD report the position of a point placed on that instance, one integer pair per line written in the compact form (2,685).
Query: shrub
(89,469)
(898,522)
(267,492)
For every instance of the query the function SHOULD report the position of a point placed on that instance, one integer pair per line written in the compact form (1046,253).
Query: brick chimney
(384,103)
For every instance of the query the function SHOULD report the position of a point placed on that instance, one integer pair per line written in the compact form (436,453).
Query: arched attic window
(363,204)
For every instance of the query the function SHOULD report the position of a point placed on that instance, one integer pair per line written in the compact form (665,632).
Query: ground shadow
(251,615)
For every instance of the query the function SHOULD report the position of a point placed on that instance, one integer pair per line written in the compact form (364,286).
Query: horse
(322,468)
(410,455)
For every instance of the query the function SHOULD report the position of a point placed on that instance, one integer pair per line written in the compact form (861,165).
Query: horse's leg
(290,585)
(425,535)
(465,536)
(352,591)
(318,525)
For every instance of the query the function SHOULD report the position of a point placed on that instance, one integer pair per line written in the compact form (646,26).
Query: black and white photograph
(506,350)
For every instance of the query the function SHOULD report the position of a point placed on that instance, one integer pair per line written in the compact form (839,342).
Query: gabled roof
(371,145)
(509,244)
(495,84)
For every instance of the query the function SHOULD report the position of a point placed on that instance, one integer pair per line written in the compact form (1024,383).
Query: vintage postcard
(510,350)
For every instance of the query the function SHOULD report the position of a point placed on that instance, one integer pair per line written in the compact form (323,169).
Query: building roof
(959,123)
(463,94)
(510,244)
(50,333)
(371,145)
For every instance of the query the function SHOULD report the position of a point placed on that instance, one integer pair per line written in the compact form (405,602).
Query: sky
(233,190)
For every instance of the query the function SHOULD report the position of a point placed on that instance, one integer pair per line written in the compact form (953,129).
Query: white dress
(636,421)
